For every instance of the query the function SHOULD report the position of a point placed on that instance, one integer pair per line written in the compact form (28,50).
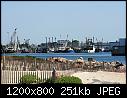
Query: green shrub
(69,79)
(65,80)
(50,80)
(29,79)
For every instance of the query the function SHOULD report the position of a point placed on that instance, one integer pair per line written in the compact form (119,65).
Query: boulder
(80,61)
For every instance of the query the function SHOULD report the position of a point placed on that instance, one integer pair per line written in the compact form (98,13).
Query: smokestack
(15,29)
(93,39)
(86,39)
(55,39)
(49,39)
(67,36)
(46,41)
(52,39)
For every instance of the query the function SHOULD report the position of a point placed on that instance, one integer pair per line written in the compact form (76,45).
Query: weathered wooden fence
(12,69)
(13,77)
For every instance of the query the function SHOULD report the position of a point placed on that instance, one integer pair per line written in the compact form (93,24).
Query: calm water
(101,56)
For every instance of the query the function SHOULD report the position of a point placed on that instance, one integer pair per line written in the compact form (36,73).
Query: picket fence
(13,77)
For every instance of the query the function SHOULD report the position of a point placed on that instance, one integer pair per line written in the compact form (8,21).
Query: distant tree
(75,43)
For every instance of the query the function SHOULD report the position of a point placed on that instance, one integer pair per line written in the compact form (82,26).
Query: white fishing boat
(70,50)
(9,50)
(91,49)
(62,44)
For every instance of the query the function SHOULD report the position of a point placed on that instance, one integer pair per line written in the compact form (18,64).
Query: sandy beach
(101,77)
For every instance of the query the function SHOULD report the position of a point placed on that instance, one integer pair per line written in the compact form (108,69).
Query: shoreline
(106,57)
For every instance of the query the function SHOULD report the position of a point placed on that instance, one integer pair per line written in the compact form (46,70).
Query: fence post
(54,74)
(3,67)
(90,61)
(103,66)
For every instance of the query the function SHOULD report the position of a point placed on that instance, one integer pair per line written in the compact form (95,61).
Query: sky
(36,20)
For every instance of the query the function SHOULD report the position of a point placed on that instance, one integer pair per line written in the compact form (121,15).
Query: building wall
(111,44)
(122,41)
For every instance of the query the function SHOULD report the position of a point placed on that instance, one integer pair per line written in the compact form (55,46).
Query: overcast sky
(36,20)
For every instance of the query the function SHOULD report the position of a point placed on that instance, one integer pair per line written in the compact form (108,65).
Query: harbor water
(100,56)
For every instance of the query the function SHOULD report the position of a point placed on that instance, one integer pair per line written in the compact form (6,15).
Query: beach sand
(101,77)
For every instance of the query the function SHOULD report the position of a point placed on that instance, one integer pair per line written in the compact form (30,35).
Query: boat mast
(14,37)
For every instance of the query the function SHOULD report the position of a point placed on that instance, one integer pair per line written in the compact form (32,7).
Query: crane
(26,41)
(13,39)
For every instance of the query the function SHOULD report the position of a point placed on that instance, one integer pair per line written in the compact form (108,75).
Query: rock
(118,65)
(81,58)
(80,61)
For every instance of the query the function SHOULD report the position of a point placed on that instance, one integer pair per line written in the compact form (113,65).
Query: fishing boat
(61,50)
(9,50)
(90,49)
(62,44)
(69,50)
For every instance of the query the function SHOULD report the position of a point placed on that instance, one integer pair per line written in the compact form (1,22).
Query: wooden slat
(15,76)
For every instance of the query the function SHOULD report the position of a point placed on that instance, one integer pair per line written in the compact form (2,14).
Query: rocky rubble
(60,63)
